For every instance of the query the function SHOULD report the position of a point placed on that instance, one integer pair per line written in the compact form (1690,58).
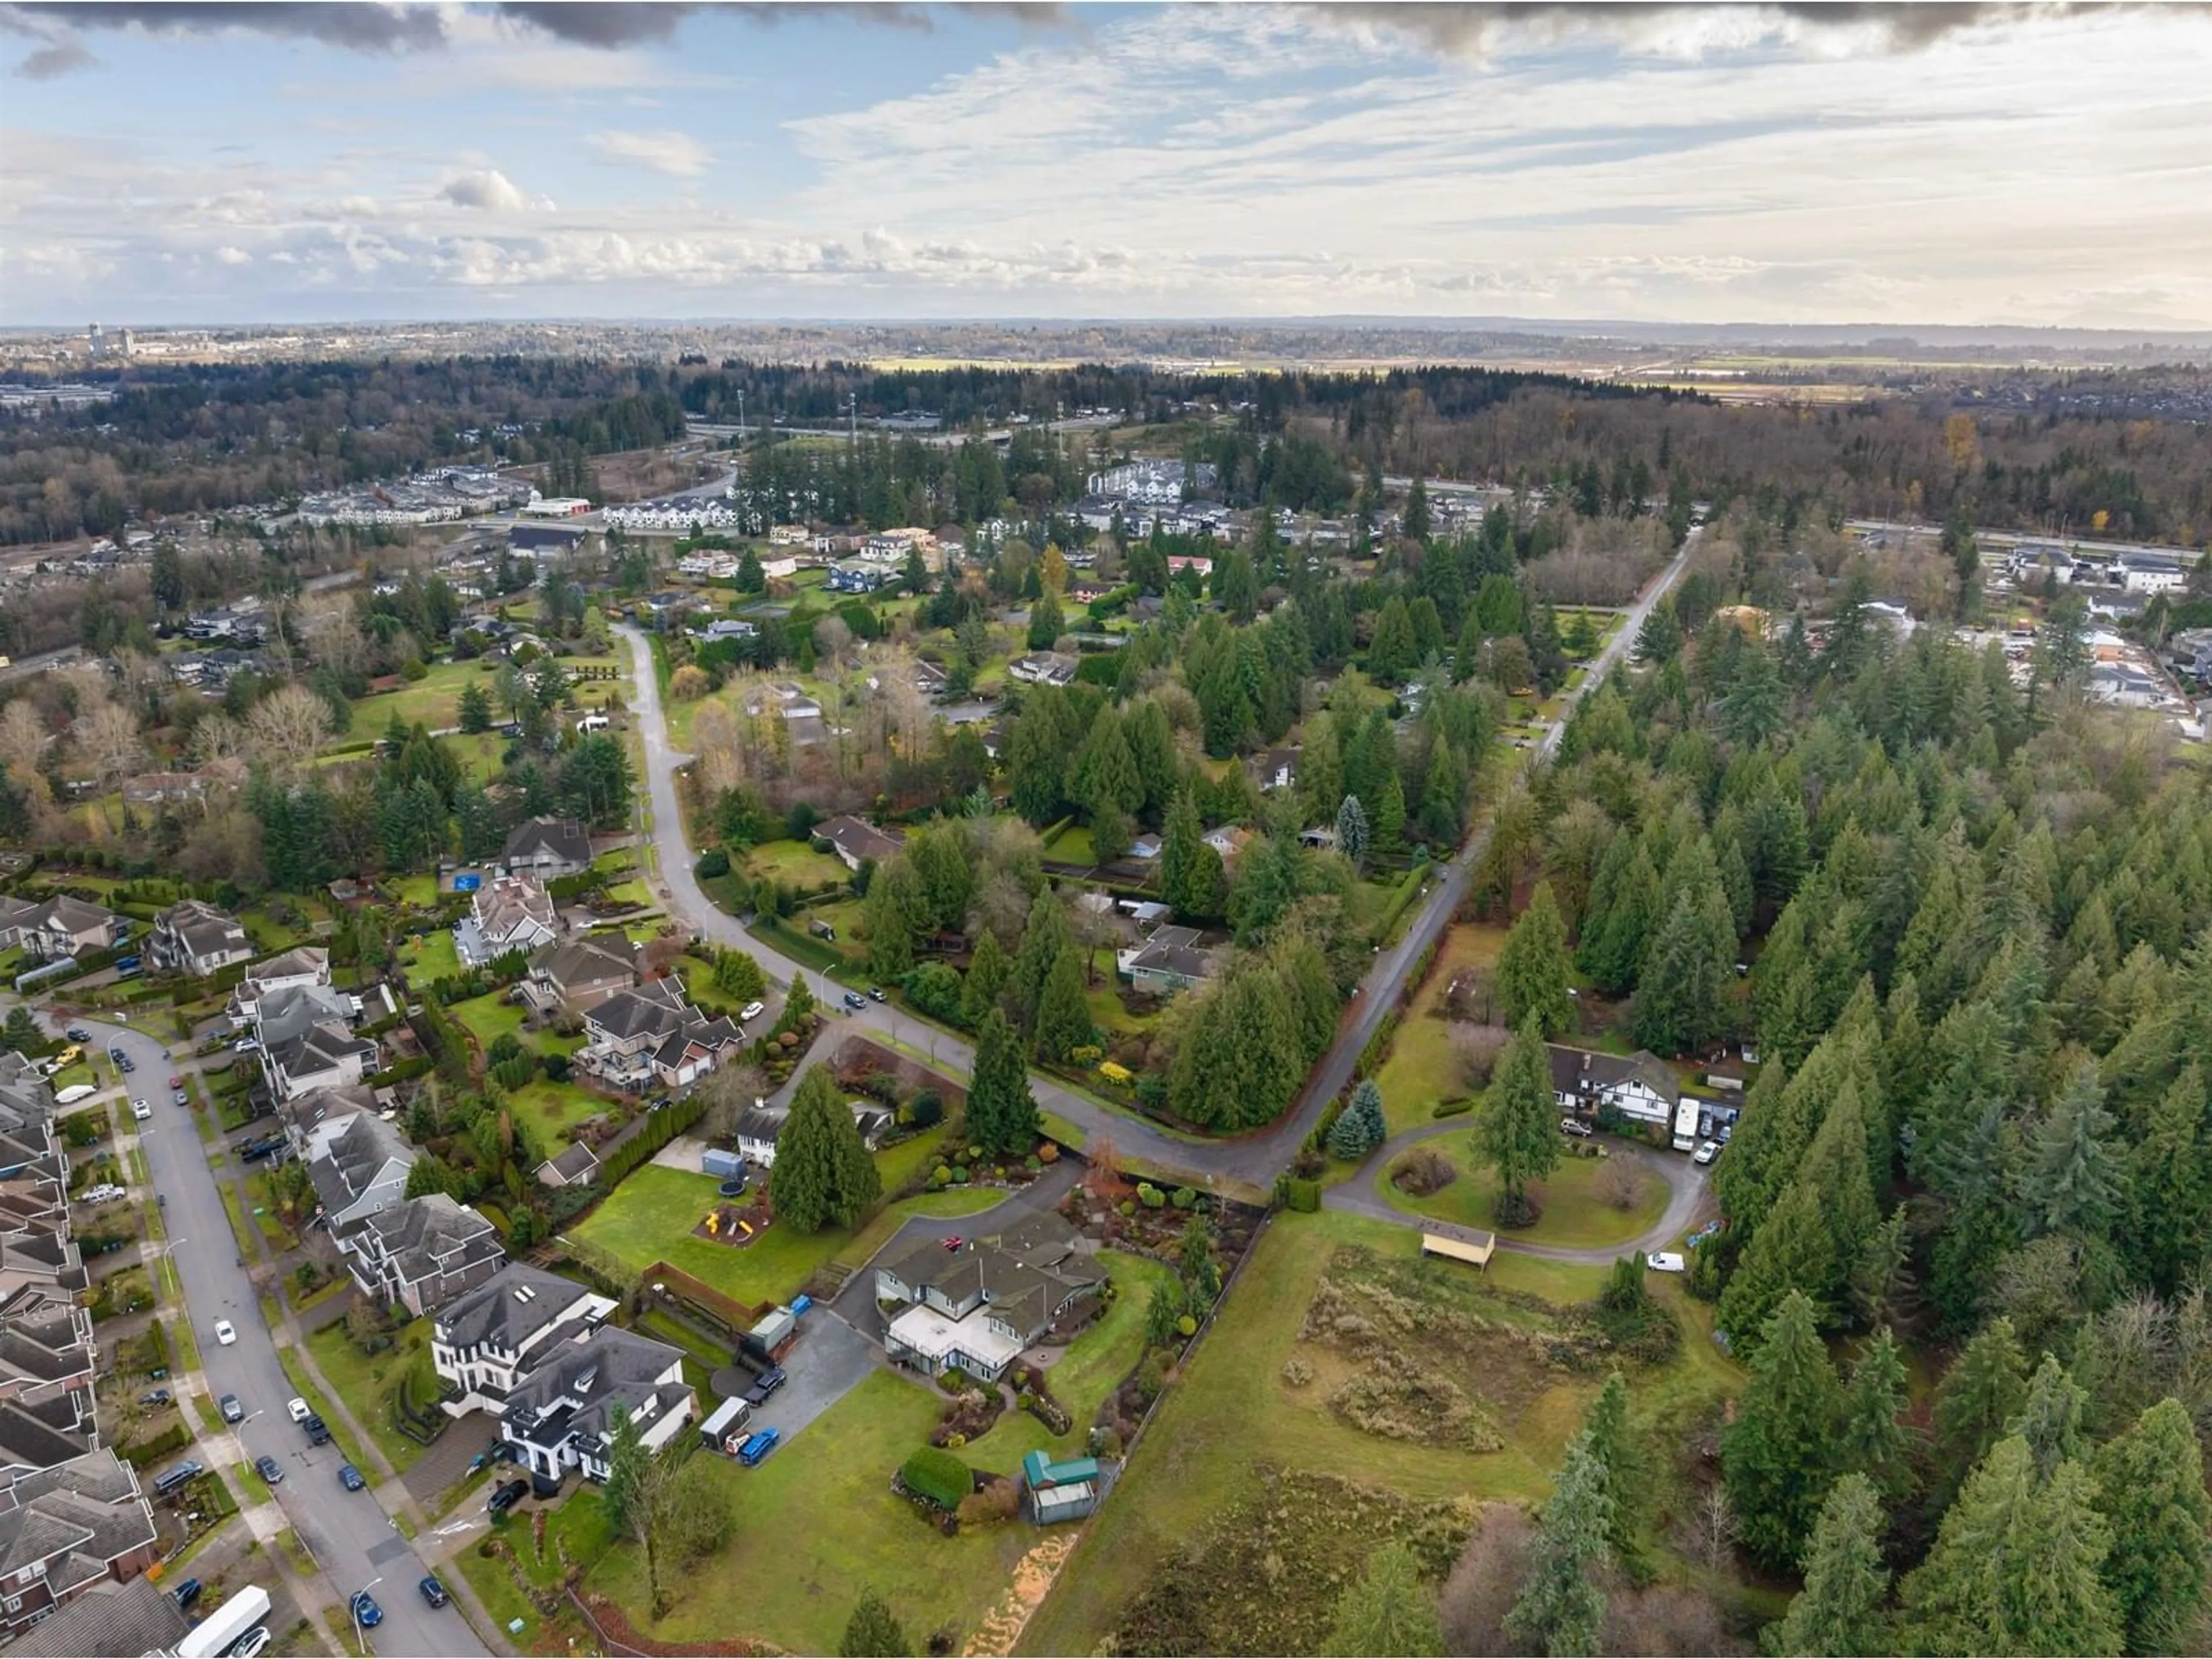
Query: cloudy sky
(1957,164)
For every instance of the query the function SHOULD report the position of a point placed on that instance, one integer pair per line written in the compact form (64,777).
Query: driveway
(828,1361)
(1687,1187)
(353,1540)
(1253,1159)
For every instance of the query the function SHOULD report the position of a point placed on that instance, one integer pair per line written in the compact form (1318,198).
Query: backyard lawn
(1576,1210)
(650,1216)
(368,1383)
(554,1110)
(433,701)
(1233,1411)
(430,958)
(1422,1067)
(822,1511)
(796,862)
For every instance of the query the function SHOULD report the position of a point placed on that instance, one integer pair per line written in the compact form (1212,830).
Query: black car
(351,1478)
(115,1053)
(78,1034)
(854,1000)
(269,1470)
(507,1496)
(186,1593)
(433,1591)
(232,1412)
(154,1397)
(318,1432)
(764,1385)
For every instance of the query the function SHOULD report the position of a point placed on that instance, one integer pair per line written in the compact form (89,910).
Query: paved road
(1686,1195)
(1255,1160)
(348,1534)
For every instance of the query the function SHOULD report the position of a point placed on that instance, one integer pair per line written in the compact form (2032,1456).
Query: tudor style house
(192,938)
(1641,1087)
(977,1308)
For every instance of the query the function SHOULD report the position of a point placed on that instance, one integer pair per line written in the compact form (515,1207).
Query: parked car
(181,1099)
(876,993)
(269,1470)
(246,1046)
(186,1593)
(251,1644)
(225,1332)
(233,1410)
(764,1385)
(433,1591)
(300,1409)
(140,1110)
(154,1397)
(126,1065)
(1575,1127)
(318,1432)
(751,1012)
(506,1497)
(366,1611)
(854,1000)
(351,1478)
(78,1034)
(757,1446)
(954,1241)
(1666,1262)
(115,1053)
(1706,1152)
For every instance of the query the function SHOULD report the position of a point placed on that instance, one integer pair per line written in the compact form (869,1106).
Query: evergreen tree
(1808,1243)
(2075,1184)
(2150,1487)
(2050,1418)
(1518,1135)
(2169,1185)
(1561,1607)
(989,971)
(2016,1566)
(1391,816)
(1063,1022)
(821,1174)
(1002,1112)
(1840,1613)
(1532,968)
(1190,870)
(475,707)
(1679,1005)
(1351,829)
(1043,939)
(1389,1610)
(629,1467)
(1874,1440)
(1623,911)
(1614,1443)
(1359,1128)
(1240,1061)
(1981,1394)
(1415,521)
(1776,1456)
(1391,655)
(1659,638)
(1443,799)
(872,1632)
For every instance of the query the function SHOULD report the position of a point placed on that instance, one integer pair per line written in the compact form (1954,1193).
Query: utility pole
(852,420)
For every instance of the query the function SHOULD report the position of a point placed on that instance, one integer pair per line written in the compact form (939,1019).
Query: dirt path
(1034,1573)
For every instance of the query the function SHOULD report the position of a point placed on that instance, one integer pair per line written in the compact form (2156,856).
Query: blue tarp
(467,884)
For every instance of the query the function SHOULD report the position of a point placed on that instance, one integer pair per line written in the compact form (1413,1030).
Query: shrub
(999,1500)
(1150,1196)
(1303,1196)
(960,1175)
(1423,1170)
(926,1109)
(1151,1377)
(937,1476)
(1452,1107)
(941,1173)
(1182,1197)
(1187,1325)
(1048,1153)
(1128,1209)
(712,863)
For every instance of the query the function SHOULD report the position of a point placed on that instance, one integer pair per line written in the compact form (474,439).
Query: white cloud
(233,256)
(677,154)
(486,189)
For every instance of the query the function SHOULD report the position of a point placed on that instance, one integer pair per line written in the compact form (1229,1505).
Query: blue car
(366,1610)
(758,1446)
(351,1478)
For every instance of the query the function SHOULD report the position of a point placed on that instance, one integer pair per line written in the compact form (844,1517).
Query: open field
(794,861)
(1576,1210)
(1422,1067)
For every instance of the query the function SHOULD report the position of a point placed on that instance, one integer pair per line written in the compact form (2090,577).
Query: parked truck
(74,1093)
(226,1624)
(1685,1123)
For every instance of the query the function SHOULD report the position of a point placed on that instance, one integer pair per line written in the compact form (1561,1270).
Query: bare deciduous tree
(23,740)
(288,725)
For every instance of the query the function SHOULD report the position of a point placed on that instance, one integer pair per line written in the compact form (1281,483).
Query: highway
(1255,1160)
(351,1539)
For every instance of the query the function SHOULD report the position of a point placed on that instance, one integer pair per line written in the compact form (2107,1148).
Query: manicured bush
(712,863)
(1182,1197)
(1150,1196)
(937,1476)
(1303,1196)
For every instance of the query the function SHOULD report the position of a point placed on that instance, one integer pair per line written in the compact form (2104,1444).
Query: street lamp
(353,1607)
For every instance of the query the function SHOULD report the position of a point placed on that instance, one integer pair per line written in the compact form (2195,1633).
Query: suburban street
(1253,1159)
(350,1537)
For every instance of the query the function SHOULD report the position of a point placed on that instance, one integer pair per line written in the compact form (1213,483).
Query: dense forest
(1979,918)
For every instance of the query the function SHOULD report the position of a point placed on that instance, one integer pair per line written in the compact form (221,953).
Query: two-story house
(487,1339)
(578,974)
(47,1362)
(978,1307)
(548,849)
(647,1036)
(422,1253)
(327,1054)
(197,939)
(67,1529)
(1641,1087)
(507,913)
(62,926)
(308,965)
(359,1165)
(562,1415)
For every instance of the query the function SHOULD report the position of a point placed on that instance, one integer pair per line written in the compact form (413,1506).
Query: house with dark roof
(1640,1086)
(648,1035)
(107,1620)
(854,841)
(562,1414)
(325,1056)
(978,1307)
(47,1359)
(197,939)
(1175,958)
(358,1164)
(307,965)
(572,1166)
(62,926)
(548,849)
(486,1339)
(578,974)
(422,1253)
(67,1529)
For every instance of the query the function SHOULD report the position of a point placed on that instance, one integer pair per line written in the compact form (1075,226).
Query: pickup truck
(758,1446)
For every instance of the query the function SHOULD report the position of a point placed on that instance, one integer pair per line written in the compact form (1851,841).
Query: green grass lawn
(367,1382)
(491,1017)
(796,862)
(1422,1067)
(430,958)
(823,1511)
(650,1216)
(420,892)
(433,701)
(1232,1410)
(1575,1212)
(341,1435)
(1095,1363)
(1071,846)
(555,1109)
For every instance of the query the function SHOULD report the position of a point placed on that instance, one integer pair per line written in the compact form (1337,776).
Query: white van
(593,723)
(74,1093)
